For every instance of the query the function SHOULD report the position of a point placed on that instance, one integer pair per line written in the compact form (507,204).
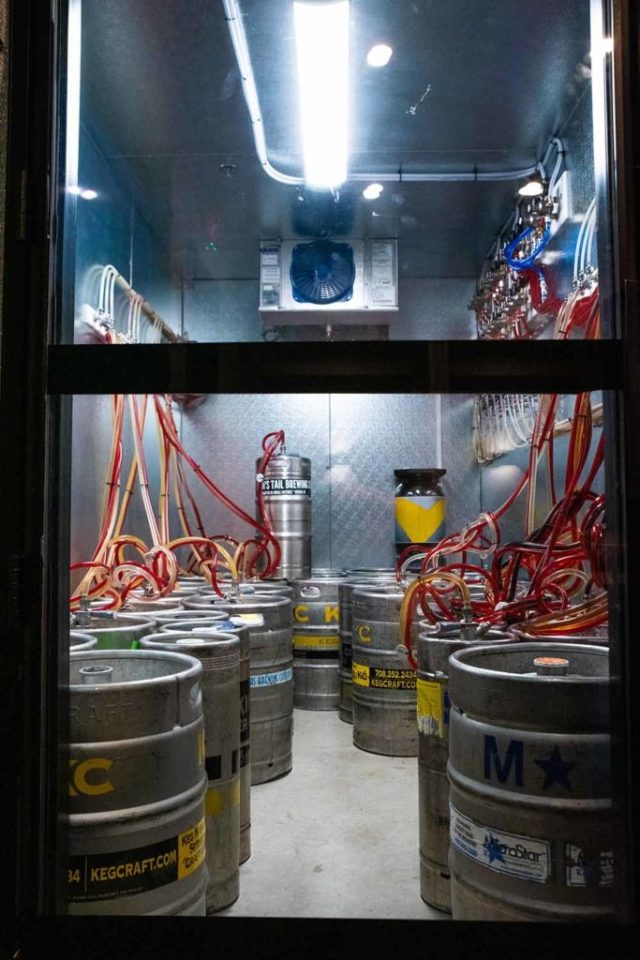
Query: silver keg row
(384,683)
(530,783)
(355,580)
(435,645)
(271,681)
(219,656)
(136,784)
(316,666)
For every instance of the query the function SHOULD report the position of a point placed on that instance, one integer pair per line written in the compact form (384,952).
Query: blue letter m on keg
(503,767)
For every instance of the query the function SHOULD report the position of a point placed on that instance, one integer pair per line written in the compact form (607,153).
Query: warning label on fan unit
(383,281)
(506,853)
(105,876)
(382,678)
(286,486)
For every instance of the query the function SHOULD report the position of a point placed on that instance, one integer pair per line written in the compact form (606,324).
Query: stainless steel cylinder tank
(345,593)
(435,645)
(177,616)
(113,631)
(286,491)
(201,627)
(384,683)
(530,790)
(271,682)
(219,655)
(136,784)
(316,623)
(275,585)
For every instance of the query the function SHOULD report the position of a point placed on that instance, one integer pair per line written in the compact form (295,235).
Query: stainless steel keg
(345,592)
(316,667)
(286,491)
(113,631)
(275,585)
(219,655)
(530,783)
(136,784)
(435,645)
(201,627)
(384,683)
(181,614)
(271,682)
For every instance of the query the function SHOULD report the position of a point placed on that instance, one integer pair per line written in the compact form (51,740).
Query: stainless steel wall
(429,309)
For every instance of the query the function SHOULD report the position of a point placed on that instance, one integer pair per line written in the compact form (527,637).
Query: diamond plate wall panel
(224,436)
(370,437)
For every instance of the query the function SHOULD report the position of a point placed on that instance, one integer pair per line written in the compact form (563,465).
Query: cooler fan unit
(351,282)
(322,272)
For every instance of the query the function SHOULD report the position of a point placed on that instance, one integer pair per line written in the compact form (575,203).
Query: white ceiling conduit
(233,17)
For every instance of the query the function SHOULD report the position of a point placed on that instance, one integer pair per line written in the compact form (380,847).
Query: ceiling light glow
(88,194)
(532,188)
(322,53)
(75,190)
(373,191)
(379,55)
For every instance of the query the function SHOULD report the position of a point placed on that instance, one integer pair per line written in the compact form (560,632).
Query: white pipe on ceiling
(233,17)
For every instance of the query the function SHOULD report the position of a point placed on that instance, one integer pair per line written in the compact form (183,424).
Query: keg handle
(310,592)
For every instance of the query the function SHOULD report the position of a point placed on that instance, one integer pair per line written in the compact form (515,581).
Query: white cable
(243,61)
(583,225)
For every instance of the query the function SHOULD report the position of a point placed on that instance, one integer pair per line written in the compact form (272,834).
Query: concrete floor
(336,837)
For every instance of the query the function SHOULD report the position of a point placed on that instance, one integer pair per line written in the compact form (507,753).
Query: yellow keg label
(360,674)
(430,708)
(363,632)
(220,799)
(420,519)
(89,777)
(383,678)
(126,873)
(329,641)
(331,614)
(190,850)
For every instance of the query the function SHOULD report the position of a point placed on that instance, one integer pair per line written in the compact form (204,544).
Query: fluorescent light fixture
(322,48)
(88,194)
(532,188)
(373,191)
(379,55)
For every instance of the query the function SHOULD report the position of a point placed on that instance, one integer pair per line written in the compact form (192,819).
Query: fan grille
(322,272)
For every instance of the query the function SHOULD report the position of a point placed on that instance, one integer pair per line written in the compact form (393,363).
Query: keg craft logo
(89,777)
(301,613)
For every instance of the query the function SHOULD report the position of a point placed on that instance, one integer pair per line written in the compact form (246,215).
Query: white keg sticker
(247,620)
(506,853)
(271,679)
(578,870)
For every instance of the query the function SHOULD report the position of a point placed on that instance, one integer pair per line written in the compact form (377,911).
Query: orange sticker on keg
(190,850)
(302,641)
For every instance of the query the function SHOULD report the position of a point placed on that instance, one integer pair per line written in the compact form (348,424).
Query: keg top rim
(460,660)
(190,667)
(216,640)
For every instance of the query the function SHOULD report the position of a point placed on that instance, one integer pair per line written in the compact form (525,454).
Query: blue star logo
(556,770)
(492,848)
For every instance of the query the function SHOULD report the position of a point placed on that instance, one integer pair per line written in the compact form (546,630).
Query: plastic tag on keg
(247,620)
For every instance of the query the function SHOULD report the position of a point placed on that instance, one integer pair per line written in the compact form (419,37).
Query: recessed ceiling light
(373,191)
(379,55)
(88,194)
(532,188)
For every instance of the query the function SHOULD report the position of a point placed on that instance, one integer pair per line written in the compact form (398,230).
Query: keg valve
(97,674)
(551,666)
